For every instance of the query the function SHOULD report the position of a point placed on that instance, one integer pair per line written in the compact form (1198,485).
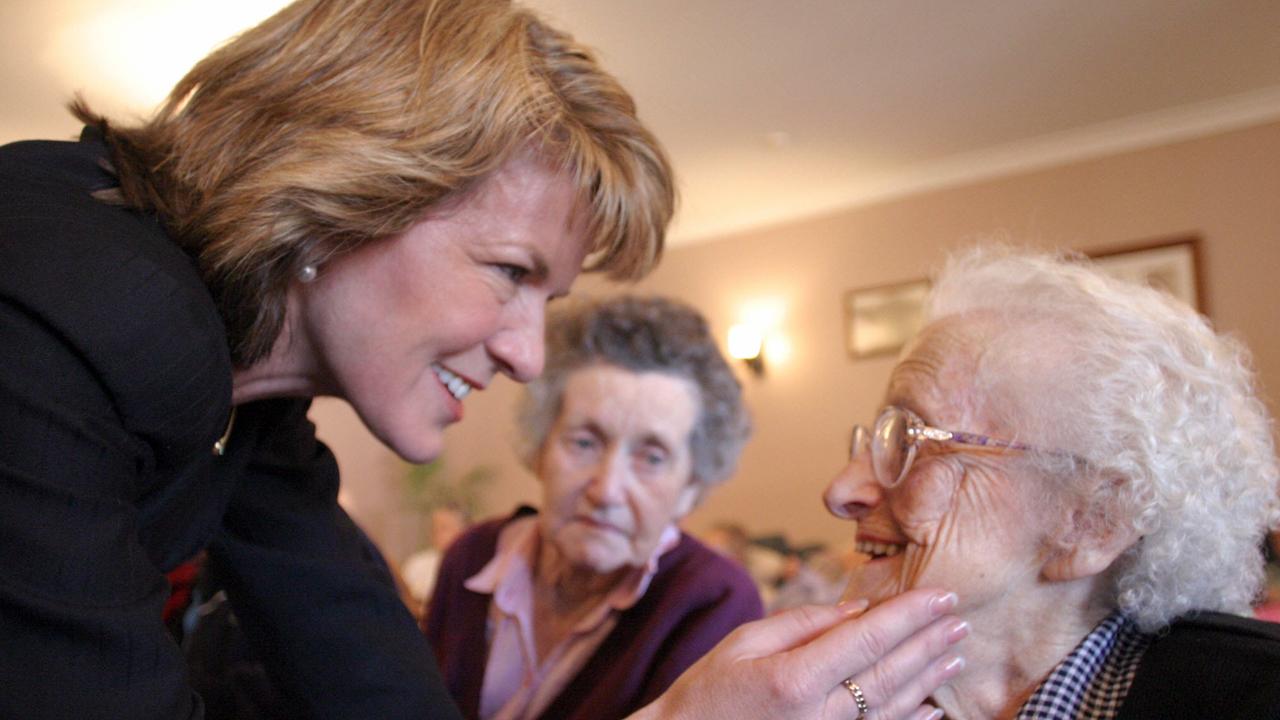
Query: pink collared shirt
(517,686)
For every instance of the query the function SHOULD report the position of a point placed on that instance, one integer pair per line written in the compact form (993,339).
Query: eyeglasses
(898,433)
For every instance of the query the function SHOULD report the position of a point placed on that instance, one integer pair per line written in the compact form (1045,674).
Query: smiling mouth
(455,384)
(878,550)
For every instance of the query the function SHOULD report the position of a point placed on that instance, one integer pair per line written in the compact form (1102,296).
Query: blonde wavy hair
(339,122)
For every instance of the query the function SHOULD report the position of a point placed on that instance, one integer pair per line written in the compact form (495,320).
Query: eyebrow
(648,438)
(589,426)
(655,439)
(542,271)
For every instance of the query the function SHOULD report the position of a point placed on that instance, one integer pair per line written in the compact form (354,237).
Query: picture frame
(1172,265)
(879,320)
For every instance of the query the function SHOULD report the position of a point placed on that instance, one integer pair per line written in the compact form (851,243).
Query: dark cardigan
(694,600)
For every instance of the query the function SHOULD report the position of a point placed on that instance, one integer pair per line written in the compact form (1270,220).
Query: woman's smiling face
(959,519)
(404,328)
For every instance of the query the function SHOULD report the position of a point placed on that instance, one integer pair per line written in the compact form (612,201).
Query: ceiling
(777,109)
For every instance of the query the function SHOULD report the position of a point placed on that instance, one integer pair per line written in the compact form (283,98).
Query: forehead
(529,203)
(936,377)
(623,402)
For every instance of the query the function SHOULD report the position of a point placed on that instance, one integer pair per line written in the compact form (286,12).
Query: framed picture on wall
(1170,265)
(879,320)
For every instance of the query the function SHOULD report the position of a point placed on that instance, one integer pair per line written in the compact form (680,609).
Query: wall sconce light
(746,343)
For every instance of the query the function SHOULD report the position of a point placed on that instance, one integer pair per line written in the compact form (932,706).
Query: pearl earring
(307,273)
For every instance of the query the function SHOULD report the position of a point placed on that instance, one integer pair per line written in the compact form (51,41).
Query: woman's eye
(653,459)
(581,443)
(514,273)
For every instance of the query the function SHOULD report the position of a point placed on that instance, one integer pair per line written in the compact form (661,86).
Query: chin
(416,440)
(601,566)
(598,563)
(419,449)
(872,583)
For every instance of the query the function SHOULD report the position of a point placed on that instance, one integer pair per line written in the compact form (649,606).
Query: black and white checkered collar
(1092,682)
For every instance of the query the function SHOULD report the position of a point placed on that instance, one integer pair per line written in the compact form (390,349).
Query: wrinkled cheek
(924,499)
(916,562)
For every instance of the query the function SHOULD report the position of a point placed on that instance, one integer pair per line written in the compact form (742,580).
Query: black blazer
(115,380)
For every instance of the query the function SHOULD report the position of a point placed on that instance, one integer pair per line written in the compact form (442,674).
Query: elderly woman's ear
(1090,544)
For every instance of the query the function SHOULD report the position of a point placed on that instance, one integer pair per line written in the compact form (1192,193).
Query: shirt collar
(1094,679)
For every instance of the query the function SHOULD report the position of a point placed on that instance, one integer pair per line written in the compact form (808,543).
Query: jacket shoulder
(1209,665)
(107,288)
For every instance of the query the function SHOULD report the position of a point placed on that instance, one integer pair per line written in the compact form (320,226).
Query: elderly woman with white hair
(1089,466)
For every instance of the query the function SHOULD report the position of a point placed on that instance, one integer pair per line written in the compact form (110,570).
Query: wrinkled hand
(791,665)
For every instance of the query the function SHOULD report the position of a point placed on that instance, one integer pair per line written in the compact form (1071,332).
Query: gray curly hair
(643,335)
(1154,402)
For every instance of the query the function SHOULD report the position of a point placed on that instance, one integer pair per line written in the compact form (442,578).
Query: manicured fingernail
(958,631)
(927,712)
(944,603)
(853,607)
(952,666)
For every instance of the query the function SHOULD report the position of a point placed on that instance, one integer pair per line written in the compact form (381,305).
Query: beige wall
(1224,188)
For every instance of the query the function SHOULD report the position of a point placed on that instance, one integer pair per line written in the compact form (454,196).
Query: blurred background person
(801,582)
(1089,465)
(730,540)
(419,570)
(761,561)
(591,606)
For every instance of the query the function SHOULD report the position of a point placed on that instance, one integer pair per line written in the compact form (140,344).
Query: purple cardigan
(693,601)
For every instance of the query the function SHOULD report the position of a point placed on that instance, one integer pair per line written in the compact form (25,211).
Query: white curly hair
(1162,411)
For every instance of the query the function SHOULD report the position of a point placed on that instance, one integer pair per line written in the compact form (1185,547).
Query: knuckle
(786,685)
(809,617)
(872,643)
(880,683)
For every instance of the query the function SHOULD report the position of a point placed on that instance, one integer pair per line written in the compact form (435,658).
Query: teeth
(457,386)
(877,549)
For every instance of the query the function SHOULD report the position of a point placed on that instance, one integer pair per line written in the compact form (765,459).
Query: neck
(287,371)
(563,595)
(1014,646)
(569,589)
(260,382)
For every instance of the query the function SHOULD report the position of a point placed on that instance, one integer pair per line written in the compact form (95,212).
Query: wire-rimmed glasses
(897,435)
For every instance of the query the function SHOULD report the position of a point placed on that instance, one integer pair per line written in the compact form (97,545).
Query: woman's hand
(791,665)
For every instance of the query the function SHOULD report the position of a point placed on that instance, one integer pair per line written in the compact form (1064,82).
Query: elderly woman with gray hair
(1087,464)
(592,606)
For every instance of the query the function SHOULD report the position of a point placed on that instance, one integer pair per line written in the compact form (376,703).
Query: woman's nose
(609,477)
(853,493)
(519,348)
